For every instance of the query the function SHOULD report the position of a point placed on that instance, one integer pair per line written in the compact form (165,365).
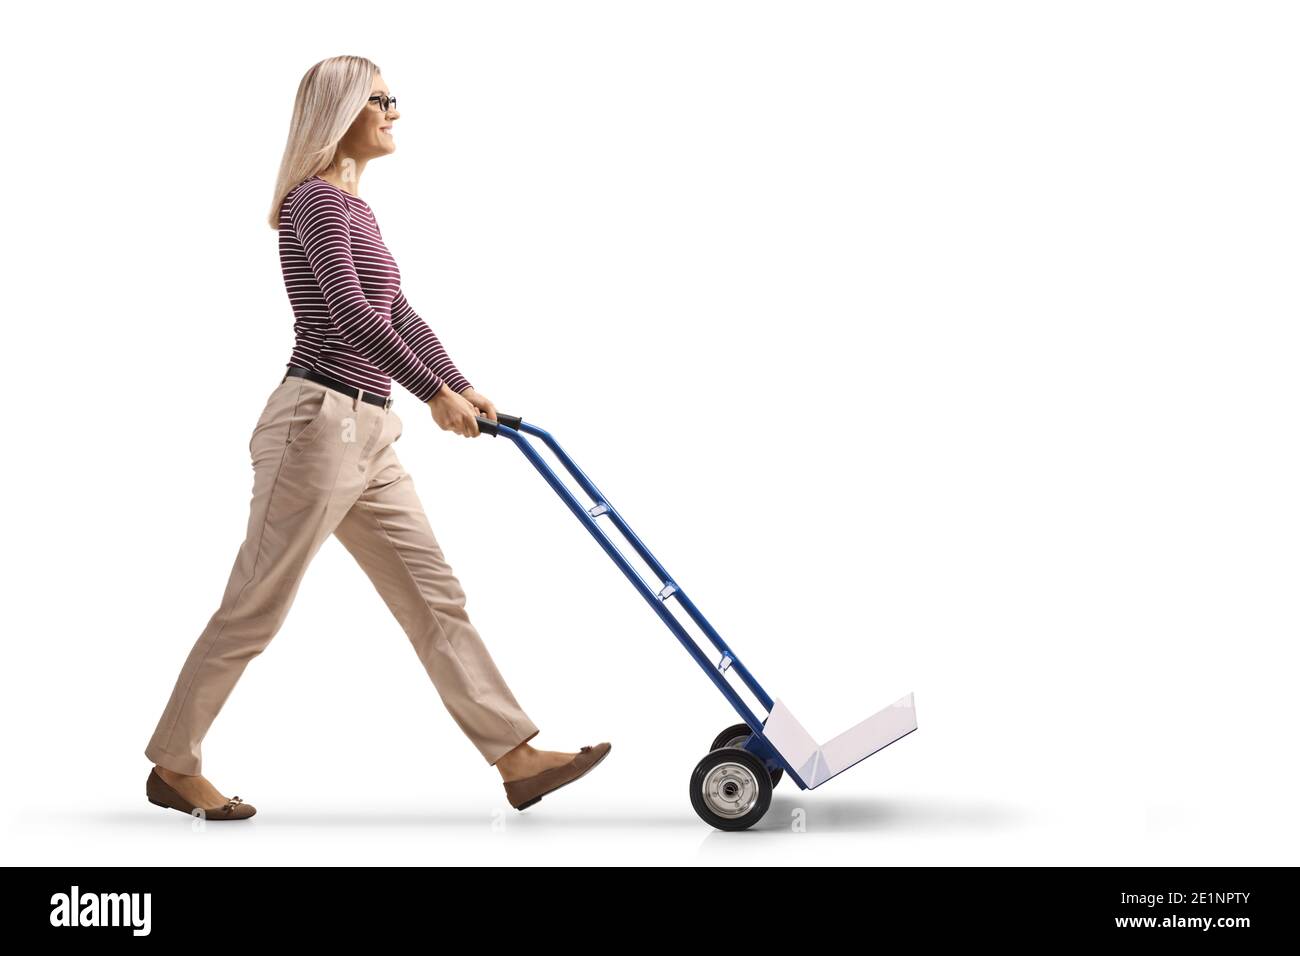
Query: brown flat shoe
(528,790)
(162,794)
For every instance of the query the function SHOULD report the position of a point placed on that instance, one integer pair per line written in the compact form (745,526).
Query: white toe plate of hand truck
(814,763)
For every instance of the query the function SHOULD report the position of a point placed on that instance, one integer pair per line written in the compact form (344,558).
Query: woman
(324,462)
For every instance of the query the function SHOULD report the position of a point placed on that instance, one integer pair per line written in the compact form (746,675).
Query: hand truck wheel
(735,736)
(730,789)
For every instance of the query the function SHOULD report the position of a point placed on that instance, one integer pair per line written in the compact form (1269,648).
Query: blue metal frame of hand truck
(818,763)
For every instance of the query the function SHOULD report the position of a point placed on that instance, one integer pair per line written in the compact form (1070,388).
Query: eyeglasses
(384,101)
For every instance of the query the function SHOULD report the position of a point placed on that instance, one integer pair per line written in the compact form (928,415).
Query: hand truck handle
(488,427)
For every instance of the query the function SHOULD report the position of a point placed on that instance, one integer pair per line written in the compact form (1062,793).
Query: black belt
(334,383)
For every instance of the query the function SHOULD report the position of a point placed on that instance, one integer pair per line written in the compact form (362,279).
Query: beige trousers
(324,464)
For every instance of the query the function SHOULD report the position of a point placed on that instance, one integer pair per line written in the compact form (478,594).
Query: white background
(935,347)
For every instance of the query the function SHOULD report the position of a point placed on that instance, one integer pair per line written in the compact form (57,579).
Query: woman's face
(371,134)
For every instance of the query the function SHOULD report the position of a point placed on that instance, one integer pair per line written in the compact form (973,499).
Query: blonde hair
(330,96)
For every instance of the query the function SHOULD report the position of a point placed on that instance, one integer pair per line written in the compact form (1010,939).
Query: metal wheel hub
(730,789)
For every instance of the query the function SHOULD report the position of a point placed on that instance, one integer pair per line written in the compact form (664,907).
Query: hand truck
(731,786)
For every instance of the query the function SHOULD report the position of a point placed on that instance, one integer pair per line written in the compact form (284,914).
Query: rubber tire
(755,766)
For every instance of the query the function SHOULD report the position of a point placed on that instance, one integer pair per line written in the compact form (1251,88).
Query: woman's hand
(481,402)
(455,413)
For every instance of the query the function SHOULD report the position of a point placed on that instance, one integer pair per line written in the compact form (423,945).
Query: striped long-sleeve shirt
(351,320)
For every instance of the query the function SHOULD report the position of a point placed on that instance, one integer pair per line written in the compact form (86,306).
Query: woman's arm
(320,220)
(416,333)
